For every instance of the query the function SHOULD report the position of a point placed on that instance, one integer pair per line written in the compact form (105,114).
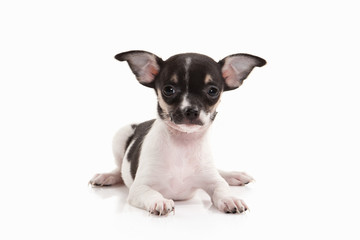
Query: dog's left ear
(235,68)
(143,64)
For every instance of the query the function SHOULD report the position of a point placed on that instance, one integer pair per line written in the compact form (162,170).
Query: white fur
(187,63)
(176,170)
(187,66)
(185,102)
(173,164)
(185,128)
(171,168)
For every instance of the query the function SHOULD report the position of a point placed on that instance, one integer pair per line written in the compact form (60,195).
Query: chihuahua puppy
(168,158)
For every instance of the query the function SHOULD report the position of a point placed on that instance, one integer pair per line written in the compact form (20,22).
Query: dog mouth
(183,124)
(180,119)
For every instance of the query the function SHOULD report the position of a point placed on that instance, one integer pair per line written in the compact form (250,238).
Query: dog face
(189,86)
(188,90)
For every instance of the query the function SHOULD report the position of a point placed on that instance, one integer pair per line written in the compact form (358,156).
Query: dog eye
(213,91)
(168,90)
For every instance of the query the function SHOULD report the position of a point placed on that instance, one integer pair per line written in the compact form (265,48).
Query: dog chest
(182,164)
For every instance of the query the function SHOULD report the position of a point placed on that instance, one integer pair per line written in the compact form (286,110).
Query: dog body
(169,158)
(175,168)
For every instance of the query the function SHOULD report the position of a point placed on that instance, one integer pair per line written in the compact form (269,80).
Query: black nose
(191,114)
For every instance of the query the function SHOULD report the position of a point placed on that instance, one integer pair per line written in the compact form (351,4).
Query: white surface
(293,125)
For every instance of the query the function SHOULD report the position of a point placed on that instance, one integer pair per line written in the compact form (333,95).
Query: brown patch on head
(213,108)
(174,79)
(162,104)
(208,79)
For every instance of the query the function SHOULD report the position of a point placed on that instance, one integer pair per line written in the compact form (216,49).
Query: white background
(293,125)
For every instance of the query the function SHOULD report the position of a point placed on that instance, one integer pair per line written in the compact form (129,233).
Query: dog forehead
(186,60)
(191,67)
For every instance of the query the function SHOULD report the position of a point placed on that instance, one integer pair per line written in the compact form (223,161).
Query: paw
(237,178)
(231,205)
(162,207)
(105,179)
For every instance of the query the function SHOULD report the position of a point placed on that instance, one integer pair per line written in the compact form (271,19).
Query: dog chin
(184,128)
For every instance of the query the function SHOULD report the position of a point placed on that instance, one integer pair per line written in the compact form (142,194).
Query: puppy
(168,158)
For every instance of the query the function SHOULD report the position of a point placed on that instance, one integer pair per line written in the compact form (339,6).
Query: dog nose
(191,114)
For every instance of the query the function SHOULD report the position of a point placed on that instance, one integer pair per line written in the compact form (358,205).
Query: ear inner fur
(236,68)
(144,65)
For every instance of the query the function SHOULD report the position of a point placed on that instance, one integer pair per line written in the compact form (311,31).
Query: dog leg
(221,197)
(236,178)
(119,147)
(107,179)
(144,197)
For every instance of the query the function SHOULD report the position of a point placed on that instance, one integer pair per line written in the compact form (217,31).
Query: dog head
(189,86)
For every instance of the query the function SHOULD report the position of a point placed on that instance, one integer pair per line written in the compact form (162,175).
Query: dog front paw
(231,205)
(162,207)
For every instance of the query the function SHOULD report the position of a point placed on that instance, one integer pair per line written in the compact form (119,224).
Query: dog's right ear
(143,64)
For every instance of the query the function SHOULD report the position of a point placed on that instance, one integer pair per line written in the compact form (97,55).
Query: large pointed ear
(235,68)
(143,64)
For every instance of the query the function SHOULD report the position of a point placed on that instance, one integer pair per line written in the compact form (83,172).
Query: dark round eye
(213,91)
(168,90)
